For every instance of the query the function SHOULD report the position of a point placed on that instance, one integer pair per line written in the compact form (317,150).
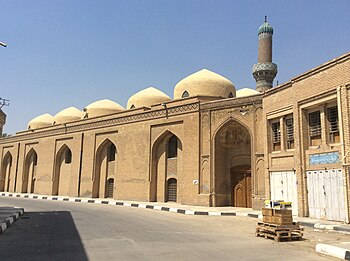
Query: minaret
(265,70)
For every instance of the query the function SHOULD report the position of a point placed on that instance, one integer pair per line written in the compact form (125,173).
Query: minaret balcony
(264,68)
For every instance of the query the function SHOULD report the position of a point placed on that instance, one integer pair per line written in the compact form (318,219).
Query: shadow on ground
(42,236)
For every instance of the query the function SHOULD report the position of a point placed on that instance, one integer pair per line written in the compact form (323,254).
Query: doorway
(241,187)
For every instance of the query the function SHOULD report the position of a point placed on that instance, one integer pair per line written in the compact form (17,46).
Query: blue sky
(71,53)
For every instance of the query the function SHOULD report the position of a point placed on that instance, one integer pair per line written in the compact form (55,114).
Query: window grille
(276,132)
(290,133)
(172,190)
(315,123)
(333,119)
(110,187)
(333,124)
(276,136)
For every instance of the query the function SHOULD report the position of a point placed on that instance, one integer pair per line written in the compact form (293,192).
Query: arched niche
(6,171)
(29,173)
(62,173)
(166,165)
(105,170)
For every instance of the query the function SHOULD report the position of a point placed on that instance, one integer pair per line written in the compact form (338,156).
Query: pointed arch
(228,121)
(166,155)
(28,177)
(105,169)
(63,161)
(6,170)
(232,164)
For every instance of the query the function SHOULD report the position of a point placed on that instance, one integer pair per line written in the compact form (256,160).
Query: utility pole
(3,102)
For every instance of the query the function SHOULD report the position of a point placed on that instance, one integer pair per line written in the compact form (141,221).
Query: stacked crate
(277,216)
(278,225)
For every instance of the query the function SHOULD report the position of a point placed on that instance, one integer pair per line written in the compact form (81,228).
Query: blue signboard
(324,158)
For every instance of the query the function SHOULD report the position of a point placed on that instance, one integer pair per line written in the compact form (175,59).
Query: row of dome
(202,83)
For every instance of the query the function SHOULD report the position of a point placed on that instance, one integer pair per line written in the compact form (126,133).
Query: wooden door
(241,189)
(326,194)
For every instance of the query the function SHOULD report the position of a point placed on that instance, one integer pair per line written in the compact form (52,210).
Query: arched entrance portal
(5,177)
(28,181)
(166,168)
(105,165)
(232,177)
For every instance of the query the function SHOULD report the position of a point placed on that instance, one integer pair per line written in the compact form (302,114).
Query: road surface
(55,230)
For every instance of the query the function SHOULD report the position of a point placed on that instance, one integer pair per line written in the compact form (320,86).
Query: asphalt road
(54,230)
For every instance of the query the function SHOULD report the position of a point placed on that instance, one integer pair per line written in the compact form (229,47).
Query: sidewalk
(340,250)
(8,215)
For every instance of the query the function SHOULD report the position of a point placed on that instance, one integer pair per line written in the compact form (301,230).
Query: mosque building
(208,146)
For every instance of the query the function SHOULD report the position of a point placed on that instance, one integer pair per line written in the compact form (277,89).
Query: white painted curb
(334,251)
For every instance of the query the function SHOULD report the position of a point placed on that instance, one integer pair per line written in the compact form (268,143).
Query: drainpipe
(342,142)
(81,162)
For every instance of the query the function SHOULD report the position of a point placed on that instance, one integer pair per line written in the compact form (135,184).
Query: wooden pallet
(279,233)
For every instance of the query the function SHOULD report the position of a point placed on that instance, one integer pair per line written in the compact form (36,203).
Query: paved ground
(55,230)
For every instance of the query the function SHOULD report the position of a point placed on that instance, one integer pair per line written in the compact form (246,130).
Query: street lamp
(3,44)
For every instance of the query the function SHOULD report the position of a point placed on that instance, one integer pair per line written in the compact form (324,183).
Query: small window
(276,136)
(185,94)
(172,190)
(35,159)
(333,124)
(9,161)
(230,95)
(290,133)
(172,147)
(68,156)
(110,188)
(315,128)
(111,152)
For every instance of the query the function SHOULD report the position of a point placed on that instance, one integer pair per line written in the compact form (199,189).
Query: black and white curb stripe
(320,226)
(334,251)
(13,215)
(136,205)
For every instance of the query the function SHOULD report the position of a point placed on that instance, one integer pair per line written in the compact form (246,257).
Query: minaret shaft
(265,50)
(265,70)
